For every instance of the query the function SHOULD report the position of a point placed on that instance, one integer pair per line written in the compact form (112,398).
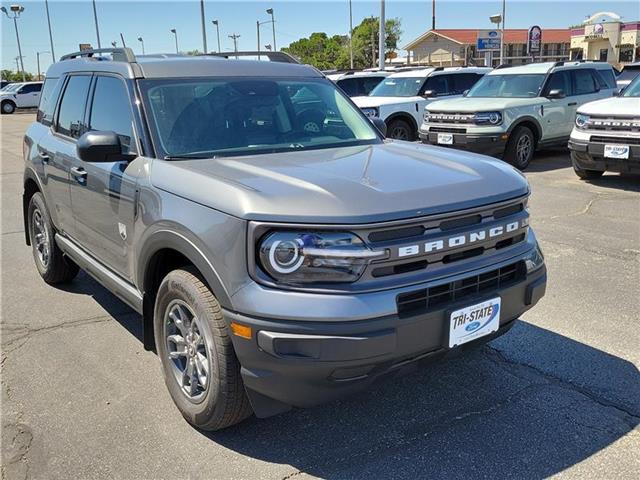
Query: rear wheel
(400,130)
(51,263)
(520,148)
(199,364)
(8,107)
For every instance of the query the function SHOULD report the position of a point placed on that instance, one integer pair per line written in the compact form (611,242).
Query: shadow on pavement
(548,160)
(626,182)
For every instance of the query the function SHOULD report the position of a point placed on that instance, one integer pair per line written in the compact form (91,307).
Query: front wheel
(8,107)
(400,130)
(520,148)
(199,364)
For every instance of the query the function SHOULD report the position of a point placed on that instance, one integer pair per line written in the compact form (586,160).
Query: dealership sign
(534,41)
(488,40)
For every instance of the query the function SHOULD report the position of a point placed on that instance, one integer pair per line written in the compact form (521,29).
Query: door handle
(44,156)
(572,104)
(79,173)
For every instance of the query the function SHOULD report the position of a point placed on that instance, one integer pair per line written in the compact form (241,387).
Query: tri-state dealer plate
(616,151)
(474,322)
(445,138)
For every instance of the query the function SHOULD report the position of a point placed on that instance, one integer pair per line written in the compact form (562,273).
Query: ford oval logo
(493,34)
(472,326)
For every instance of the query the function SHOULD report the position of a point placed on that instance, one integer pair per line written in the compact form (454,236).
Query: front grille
(616,140)
(629,124)
(448,130)
(426,299)
(442,117)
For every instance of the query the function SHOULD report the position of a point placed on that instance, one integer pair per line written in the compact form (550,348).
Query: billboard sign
(534,41)
(85,46)
(488,40)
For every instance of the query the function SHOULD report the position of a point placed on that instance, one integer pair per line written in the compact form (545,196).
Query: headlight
(581,120)
(291,257)
(426,116)
(534,260)
(370,111)
(491,118)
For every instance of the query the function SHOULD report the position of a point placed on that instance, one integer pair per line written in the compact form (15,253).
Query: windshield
(508,86)
(398,87)
(633,89)
(628,73)
(11,87)
(211,117)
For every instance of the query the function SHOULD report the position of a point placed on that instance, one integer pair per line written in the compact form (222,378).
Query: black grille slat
(447,130)
(616,140)
(429,298)
(396,234)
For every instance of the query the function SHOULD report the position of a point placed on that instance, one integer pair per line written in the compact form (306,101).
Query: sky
(72,21)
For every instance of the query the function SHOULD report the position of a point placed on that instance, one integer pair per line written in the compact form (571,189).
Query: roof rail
(503,65)
(281,57)
(117,54)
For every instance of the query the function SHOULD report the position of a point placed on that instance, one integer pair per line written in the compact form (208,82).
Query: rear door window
(605,78)
(111,110)
(72,106)
(437,83)
(559,81)
(349,86)
(462,82)
(583,82)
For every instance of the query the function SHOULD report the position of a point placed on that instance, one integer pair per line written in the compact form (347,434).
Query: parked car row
(508,112)
(19,95)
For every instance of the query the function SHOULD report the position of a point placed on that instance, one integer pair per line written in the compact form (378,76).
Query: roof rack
(503,65)
(117,54)
(281,57)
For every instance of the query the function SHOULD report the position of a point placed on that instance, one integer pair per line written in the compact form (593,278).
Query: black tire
(224,401)
(400,130)
(520,147)
(51,263)
(586,174)
(7,107)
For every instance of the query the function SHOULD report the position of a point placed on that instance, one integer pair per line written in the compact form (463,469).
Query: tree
(321,51)
(366,38)
(12,76)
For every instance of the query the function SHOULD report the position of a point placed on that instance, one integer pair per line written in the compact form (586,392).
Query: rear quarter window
(48,100)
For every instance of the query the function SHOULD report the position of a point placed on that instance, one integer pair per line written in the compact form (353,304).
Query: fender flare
(402,116)
(29,174)
(527,118)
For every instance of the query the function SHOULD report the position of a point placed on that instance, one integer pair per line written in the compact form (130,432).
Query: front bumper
(588,155)
(486,143)
(302,363)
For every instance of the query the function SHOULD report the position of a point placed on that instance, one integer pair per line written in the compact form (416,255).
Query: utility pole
(235,38)
(258,31)
(18,67)
(433,14)
(381,38)
(204,31)
(38,60)
(53,53)
(273,26)
(95,18)
(175,33)
(16,10)
(350,36)
(502,35)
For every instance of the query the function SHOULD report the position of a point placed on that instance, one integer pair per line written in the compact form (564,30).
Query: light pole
(273,24)
(46,6)
(350,36)
(140,39)
(497,19)
(173,30)
(502,32)
(381,40)
(204,32)
(95,18)
(38,60)
(258,24)
(217,24)
(16,10)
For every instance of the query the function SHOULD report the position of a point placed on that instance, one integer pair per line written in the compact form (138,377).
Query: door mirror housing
(380,125)
(556,93)
(429,93)
(101,147)
(465,93)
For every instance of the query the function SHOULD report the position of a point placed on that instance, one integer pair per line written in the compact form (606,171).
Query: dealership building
(454,47)
(609,40)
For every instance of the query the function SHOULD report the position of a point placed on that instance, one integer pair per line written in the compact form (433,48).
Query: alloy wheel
(40,237)
(523,149)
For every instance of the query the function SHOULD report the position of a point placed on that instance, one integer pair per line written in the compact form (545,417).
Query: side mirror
(465,93)
(618,92)
(380,125)
(429,93)
(100,147)
(556,93)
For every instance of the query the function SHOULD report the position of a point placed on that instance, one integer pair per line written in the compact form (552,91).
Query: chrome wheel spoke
(202,368)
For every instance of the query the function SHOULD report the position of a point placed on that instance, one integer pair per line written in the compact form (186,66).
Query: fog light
(241,330)
(534,260)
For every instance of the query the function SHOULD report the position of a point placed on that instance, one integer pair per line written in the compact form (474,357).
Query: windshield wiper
(184,157)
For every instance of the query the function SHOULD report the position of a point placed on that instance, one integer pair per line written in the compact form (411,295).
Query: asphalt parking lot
(558,395)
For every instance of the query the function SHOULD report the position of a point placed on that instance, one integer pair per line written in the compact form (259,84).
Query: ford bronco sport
(273,265)
(512,111)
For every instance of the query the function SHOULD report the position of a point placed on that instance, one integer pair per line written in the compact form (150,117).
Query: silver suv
(274,263)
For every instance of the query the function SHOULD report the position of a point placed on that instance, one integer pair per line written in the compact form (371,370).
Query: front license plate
(616,151)
(445,138)
(474,322)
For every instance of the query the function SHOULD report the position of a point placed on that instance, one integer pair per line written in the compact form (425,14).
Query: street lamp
(217,24)
(142,42)
(16,10)
(46,6)
(38,60)
(497,19)
(173,30)
(204,31)
(273,25)
(95,18)
(258,24)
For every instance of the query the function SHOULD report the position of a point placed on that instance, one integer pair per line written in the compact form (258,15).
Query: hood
(364,102)
(363,184)
(472,105)
(623,106)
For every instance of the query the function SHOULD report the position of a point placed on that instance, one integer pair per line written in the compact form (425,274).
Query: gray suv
(280,250)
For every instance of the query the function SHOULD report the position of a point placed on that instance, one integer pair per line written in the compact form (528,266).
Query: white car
(606,135)
(20,95)
(513,111)
(400,99)
(627,74)
(357,84)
